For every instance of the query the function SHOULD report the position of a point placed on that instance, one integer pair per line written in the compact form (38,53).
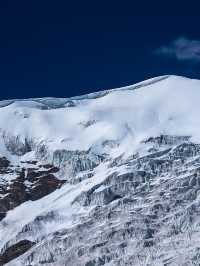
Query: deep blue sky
(48,48)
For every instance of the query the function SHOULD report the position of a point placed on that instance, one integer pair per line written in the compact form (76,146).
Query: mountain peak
(108,178)
(52,102)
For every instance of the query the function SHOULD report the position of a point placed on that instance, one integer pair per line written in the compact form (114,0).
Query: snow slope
(114,125)
(166,106)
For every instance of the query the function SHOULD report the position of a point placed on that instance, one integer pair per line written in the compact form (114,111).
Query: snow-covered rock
(109,178)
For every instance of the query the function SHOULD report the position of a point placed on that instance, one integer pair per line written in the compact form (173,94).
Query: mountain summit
(109,178)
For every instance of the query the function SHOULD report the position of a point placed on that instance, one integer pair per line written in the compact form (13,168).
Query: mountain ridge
(111,180)
(92,95)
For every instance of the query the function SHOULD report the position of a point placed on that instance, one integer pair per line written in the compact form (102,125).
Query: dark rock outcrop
(26,184)
(14,251)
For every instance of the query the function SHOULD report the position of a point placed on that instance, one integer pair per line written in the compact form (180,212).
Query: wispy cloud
(182,49)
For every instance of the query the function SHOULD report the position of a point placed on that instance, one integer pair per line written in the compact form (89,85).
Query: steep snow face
(167,105)
(109,178)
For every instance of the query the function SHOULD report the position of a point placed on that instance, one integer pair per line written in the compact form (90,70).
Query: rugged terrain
(110,178)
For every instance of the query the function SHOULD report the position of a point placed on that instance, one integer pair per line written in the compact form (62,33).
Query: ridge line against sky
(47,51)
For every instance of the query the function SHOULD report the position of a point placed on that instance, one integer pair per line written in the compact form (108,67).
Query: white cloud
(182,49)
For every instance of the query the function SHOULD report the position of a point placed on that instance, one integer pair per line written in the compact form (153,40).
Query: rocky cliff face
(93,182)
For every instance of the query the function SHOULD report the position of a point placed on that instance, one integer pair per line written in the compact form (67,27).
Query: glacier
(108,178)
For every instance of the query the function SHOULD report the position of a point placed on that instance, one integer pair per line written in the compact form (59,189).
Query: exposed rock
(41,182)
(45,185)
(14,251)
(4,162)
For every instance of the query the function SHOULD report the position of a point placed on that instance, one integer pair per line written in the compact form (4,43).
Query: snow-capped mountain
(110,178)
